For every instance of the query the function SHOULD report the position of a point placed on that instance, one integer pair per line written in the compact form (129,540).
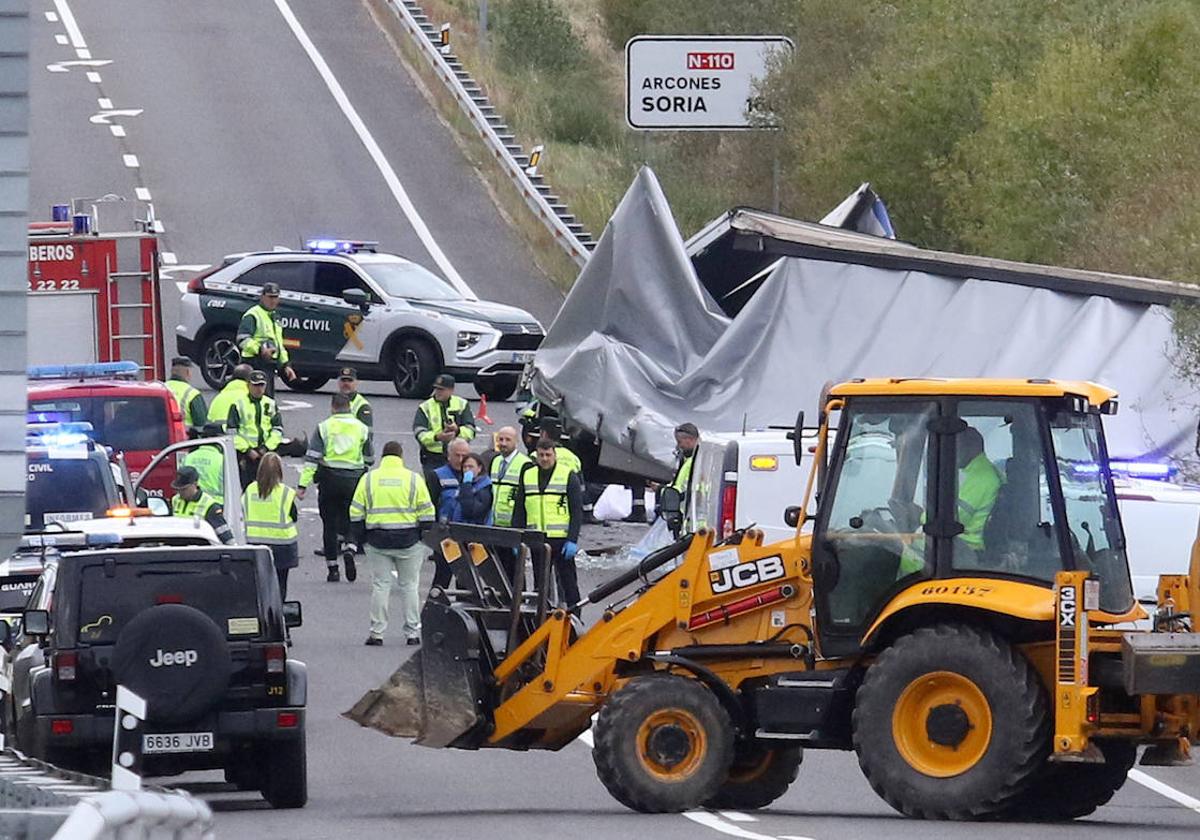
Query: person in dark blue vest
(462,492)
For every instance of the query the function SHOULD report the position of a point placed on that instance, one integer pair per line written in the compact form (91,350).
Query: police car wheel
(306,384)
(497,388)
(414,365)
(218,356)
(176,658)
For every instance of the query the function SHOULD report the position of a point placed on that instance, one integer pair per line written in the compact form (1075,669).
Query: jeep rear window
(65,490)
(127,424)
(107,603)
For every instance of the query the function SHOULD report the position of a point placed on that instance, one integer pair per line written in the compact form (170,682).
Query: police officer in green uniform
(347,383)
(229,396)
(209,462)
(257,425)
(271,515)
(260,338)
(439,420)
(339,452)
(391,504)
(550,499)
(191,403)
(190,501)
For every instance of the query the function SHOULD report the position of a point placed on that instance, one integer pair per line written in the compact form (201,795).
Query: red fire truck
(94,297)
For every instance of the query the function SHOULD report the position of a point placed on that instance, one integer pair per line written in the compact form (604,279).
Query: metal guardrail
(567,231)
(41,802)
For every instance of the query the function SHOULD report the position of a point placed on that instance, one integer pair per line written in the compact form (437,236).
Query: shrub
(536,34)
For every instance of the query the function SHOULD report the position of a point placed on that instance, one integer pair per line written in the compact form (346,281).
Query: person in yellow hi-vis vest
(508,465)
(439,420)
(687,442)
(269,509)
(257,426)
(191,402)
(339,452)
(229,396)
(391,504)
(550,499)
(260,338)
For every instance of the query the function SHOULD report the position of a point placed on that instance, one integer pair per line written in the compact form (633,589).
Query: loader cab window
(870,533)
(1094,534)
(1003,495)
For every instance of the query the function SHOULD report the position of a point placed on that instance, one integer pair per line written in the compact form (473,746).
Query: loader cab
(971,489)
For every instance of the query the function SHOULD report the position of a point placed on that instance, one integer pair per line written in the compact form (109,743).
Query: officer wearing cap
(257,425)
(260,338)
(347,383)
(191,403)
(190,501)
(439,420)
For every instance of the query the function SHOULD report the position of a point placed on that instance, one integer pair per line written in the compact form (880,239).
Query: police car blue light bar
(1155,470)
(338,246)
(58,435)
(94,370)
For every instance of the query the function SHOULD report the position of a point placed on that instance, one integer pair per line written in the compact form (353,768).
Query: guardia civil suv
(342,303)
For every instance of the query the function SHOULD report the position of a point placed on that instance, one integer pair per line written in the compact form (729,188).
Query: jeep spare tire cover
(176,658)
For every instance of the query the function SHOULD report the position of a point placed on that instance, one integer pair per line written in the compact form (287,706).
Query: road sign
(675,83)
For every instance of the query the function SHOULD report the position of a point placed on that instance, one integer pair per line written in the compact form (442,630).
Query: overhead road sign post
(698,83)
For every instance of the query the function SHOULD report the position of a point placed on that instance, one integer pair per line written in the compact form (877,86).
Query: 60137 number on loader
(949,611)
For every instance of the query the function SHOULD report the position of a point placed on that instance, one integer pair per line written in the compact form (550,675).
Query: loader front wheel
(951,723)
(663,744)
(758,777)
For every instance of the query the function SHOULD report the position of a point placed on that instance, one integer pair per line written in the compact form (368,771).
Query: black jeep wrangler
(199,632)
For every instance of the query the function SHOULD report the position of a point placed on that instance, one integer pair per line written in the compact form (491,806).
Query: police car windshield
(409,280)
(65,490)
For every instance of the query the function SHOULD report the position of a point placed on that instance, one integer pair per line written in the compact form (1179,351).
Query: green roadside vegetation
(1065,132)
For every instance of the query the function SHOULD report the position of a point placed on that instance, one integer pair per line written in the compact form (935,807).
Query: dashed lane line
(380,160)
(69,23)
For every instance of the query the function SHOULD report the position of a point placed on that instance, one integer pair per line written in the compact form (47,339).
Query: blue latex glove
(469,476)
(570,549)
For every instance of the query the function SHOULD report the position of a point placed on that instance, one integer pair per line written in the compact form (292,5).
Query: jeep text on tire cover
(186,658)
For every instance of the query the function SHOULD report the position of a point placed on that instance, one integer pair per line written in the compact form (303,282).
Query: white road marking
(381,162)
(288,405)
(714,821)
(52,17)
(61,39)
(83,53)
(65,66)
(793,837)
(131,161)
(1148,781)
(169,257)
(107,114)
(94,78)
(157,226)
(68,21)
(117,130)
(142,193)
(737,816)
(179,284)
(587,738)
(104,103)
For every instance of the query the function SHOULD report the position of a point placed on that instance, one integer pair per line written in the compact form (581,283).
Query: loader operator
(260,338)
(550,499)
(978,486)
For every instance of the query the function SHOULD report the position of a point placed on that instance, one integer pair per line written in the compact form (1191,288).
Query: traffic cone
(483,415)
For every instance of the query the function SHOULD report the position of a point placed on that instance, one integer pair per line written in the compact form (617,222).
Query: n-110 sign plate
(675,83)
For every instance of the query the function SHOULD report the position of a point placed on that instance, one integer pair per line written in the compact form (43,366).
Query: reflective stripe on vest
(252,433)
(344,437)
(433,412)
(268,520)
(505,480)
(184,395)
(547,510)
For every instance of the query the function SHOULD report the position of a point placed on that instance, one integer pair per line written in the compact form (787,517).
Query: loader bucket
(437,696)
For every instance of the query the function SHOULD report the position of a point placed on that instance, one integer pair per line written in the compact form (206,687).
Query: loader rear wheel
(663,744)
(758,777)
(951,723)
(1062,792)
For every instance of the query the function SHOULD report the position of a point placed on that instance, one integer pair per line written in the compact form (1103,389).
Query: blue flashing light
(1144,469)
(78,435)
(94,370)
(324,245)
(102,538)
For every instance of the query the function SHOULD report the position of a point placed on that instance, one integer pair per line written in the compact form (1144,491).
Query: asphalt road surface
(223,114)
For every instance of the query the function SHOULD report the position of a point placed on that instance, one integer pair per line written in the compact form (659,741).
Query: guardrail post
(535,157)
(128,724)
(444,39)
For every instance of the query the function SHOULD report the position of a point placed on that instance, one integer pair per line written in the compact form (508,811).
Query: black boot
(351,568)
(334,574)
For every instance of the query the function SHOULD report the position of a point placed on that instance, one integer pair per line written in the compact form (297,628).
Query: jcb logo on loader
(746,574)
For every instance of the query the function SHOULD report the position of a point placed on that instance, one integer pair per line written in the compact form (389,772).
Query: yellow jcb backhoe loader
(957,610)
